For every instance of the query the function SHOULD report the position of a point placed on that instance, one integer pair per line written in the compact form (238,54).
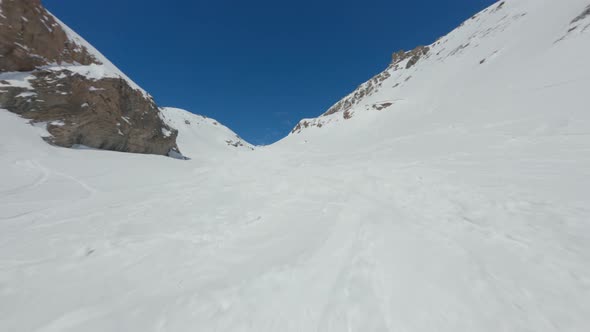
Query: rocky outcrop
(582,16)
(578,25)
(412,56)
(363,90)
(400,60)
(372,85)
(105,114)
(31,37)
(49,77)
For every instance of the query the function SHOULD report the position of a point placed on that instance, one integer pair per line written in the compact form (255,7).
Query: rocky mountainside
(488,52)
(50,75)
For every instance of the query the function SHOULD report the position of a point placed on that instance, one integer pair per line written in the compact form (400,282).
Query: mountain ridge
(389,87)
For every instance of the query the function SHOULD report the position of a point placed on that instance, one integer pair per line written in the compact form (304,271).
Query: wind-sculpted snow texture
(462,206)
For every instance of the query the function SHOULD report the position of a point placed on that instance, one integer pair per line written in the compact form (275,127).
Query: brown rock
(372,85)
(381,106)
(368,88)
(365,89)
(414,55)
(30,37)
(106,113)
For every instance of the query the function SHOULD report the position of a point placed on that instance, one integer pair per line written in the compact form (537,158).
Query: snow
(16,79)
(92,72)
(22,46)
(166,132)
(83,147)
(515,44)
(27,94)
(58,123)
(201,136)
(465,206)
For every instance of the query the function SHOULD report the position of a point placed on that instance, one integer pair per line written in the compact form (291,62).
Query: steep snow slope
(199,135)
(521,61)
(463,208)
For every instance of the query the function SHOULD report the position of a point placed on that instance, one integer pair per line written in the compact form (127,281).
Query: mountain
(451,193)
(49,74)
(487,69)
(199,134)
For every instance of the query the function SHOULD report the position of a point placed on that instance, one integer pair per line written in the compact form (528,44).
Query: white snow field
(465,206)
(202,136)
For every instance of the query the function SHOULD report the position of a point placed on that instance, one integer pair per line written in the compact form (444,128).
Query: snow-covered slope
(518,61)
(200,135)
(463,206)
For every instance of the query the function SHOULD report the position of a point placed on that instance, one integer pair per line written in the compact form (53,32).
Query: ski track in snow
(455,210)
(355,242)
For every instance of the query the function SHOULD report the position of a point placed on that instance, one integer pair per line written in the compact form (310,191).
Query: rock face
(412,56)
(372,85)
(363,90)
(31,37)
(48,74)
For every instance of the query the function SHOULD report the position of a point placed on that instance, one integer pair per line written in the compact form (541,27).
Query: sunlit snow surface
(466,207)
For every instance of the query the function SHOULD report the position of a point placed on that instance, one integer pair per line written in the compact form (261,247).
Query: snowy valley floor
(492,234)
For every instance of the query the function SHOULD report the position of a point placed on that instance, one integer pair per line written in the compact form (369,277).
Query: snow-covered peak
(202,136)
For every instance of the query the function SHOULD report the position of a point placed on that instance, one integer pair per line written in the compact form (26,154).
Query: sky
(257,66)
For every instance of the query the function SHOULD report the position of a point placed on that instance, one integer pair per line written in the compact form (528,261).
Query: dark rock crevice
(582,16)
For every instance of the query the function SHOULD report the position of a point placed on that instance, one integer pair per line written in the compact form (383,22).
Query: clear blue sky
(257,66)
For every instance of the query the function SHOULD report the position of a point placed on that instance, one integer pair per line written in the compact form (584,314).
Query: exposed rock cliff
(49,74)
